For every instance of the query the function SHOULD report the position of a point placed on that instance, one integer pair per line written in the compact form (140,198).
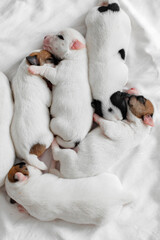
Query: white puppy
(7,154)
(98,152)
(107,37)
(95,200)
(30,126)
(71,104)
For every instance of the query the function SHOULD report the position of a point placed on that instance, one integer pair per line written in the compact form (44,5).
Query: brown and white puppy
(95,200)
(30,126)
(109,142)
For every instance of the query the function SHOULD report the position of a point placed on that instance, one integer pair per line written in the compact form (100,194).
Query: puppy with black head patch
(95,200)
(107,37)
(32,98)
(71,100)
(98,152)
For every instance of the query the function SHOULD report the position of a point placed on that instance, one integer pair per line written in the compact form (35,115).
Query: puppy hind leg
(68,160)
(61,128)
(37,149)
(22,209)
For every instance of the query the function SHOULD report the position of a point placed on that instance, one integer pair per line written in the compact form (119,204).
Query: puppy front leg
(111,129)
(48,72)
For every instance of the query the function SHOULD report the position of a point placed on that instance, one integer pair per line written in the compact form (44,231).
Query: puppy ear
(147,119)
(77,45)
(33,60)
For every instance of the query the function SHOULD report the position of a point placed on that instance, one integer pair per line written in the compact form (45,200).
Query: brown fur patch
(37,149)
(139,109)
(43,57)
(17,168)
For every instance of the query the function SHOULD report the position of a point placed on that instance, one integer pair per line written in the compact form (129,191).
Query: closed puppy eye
(49,60)
(60,36)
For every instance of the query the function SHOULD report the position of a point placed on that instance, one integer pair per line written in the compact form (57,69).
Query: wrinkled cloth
(23,25)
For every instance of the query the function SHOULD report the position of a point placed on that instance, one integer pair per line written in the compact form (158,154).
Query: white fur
(102,147)
(71,103)
(7,154)
(107,33)
(30,123)
(94,200)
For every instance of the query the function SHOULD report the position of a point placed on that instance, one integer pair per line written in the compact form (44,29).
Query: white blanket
(23,24)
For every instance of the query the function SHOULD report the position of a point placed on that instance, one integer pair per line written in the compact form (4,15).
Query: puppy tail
(66,144)
(34,161)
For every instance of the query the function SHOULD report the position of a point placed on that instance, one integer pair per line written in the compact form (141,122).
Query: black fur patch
(113,7)
(118,99)
(33,60)
(77,143)
(21,164)
(122,53)
(56,60)
(12,201)
(141,99)
(97,105)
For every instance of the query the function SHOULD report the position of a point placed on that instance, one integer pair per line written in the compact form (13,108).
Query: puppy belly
(37,149)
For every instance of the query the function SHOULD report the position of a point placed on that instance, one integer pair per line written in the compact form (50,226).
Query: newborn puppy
(107,37)
(98,152)
(30,126)
(71,101)
(95,200)
(7,154)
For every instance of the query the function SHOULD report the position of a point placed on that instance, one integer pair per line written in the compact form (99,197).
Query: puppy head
(40,58)
(65,43)
(141,108)
(130,107)
(20,167)
(21,171)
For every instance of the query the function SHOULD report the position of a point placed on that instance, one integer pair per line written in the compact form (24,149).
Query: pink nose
(46,40)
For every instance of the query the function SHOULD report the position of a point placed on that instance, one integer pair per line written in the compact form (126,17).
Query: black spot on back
(118,99)
(122,53)
(112,7)
(97,105)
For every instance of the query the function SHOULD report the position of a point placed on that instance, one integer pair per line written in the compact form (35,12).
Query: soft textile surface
(23,24)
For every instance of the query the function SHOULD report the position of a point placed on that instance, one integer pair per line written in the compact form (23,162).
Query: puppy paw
(54,144)
(22,209)
(96,118)
(55,149)
(33,70)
